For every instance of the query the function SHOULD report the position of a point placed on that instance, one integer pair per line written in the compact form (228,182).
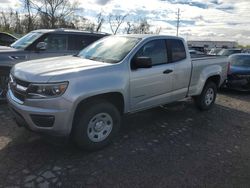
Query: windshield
(110,49)
(26,40)
(226,52)
(241,61)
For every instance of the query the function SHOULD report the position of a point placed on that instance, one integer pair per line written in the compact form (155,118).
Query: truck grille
(18,88)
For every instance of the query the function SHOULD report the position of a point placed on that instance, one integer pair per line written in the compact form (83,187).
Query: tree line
(51,14)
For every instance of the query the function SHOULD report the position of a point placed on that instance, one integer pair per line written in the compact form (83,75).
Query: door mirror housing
(142,62)
(41,46)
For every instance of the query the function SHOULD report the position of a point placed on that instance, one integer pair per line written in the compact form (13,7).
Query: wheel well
(215,79)
(114,98)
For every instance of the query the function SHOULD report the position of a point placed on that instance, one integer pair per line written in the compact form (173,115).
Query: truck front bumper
(48,116)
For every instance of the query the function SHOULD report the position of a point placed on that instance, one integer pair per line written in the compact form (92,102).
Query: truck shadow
(177,138)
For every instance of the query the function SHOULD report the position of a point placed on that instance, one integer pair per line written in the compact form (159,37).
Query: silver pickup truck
(84,96)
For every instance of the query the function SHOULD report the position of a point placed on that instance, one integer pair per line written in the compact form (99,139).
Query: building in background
(208,45)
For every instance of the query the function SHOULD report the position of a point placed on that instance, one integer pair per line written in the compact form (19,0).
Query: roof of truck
(144,36)
(63,30)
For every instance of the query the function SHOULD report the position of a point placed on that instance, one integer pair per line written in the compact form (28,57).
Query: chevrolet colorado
(84,96)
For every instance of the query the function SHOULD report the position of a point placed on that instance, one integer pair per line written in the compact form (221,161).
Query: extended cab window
(156,50)
(56,42)
(176,49)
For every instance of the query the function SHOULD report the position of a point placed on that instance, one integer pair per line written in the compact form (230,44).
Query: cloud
(4,1)
(102,2)
(5,4)
(199,19)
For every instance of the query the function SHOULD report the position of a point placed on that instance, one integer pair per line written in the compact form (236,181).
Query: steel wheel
(206,99)
(209,96)
(96,124)
(99,127)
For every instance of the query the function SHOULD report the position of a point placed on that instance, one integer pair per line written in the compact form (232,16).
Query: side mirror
(41,46)
(142,62)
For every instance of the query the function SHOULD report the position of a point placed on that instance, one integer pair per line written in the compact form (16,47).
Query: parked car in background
(196,53)
(84,96)
(214,51)
(6,39)
(197,48)
(246,51)
(228,52)
(239,72)
(41,44)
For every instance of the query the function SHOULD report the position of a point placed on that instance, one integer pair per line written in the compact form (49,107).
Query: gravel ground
(175,146)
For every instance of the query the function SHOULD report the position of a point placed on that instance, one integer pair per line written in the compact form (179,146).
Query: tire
(96,125)
(4,78)
(207,97)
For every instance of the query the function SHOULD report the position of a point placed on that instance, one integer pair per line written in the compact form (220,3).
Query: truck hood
(7,49)
(43,69)
(10,56)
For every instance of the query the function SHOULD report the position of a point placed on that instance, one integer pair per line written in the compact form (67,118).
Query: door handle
(167,71)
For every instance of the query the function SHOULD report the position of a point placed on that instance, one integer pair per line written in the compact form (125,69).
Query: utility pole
(178,22)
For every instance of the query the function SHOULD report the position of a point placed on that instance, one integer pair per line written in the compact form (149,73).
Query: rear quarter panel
(205,67)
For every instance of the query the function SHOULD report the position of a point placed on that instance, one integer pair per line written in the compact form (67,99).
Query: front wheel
(207,97)
(96,125)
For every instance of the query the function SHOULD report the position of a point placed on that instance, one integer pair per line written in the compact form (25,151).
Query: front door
(151,86)
(56,46)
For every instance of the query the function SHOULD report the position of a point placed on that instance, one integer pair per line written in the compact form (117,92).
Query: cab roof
(64,30)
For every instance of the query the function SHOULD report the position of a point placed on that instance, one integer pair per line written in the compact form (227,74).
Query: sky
(227,20)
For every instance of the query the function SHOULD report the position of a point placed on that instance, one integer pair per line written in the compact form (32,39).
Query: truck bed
(201,66)
(204,56)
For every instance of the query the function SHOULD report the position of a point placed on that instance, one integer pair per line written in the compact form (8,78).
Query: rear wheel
(207,97)
(96,125)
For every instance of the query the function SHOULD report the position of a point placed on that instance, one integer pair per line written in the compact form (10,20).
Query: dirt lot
(177,146)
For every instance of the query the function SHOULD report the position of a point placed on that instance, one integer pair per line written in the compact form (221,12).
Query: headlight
(37,91)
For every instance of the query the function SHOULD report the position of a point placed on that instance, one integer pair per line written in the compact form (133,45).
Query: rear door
(181,66)
(151,86)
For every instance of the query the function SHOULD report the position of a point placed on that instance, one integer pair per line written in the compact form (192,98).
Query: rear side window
(156,50)
(241,61)
(56,42)
(176,50)
(78,42)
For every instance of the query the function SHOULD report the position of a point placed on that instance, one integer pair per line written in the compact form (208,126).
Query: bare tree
(142,28)
(158,30)
(129,28)
(4,21)
(27,6)
(9,20)
(100,21)
(52,12)
(115,21)
(17,26)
